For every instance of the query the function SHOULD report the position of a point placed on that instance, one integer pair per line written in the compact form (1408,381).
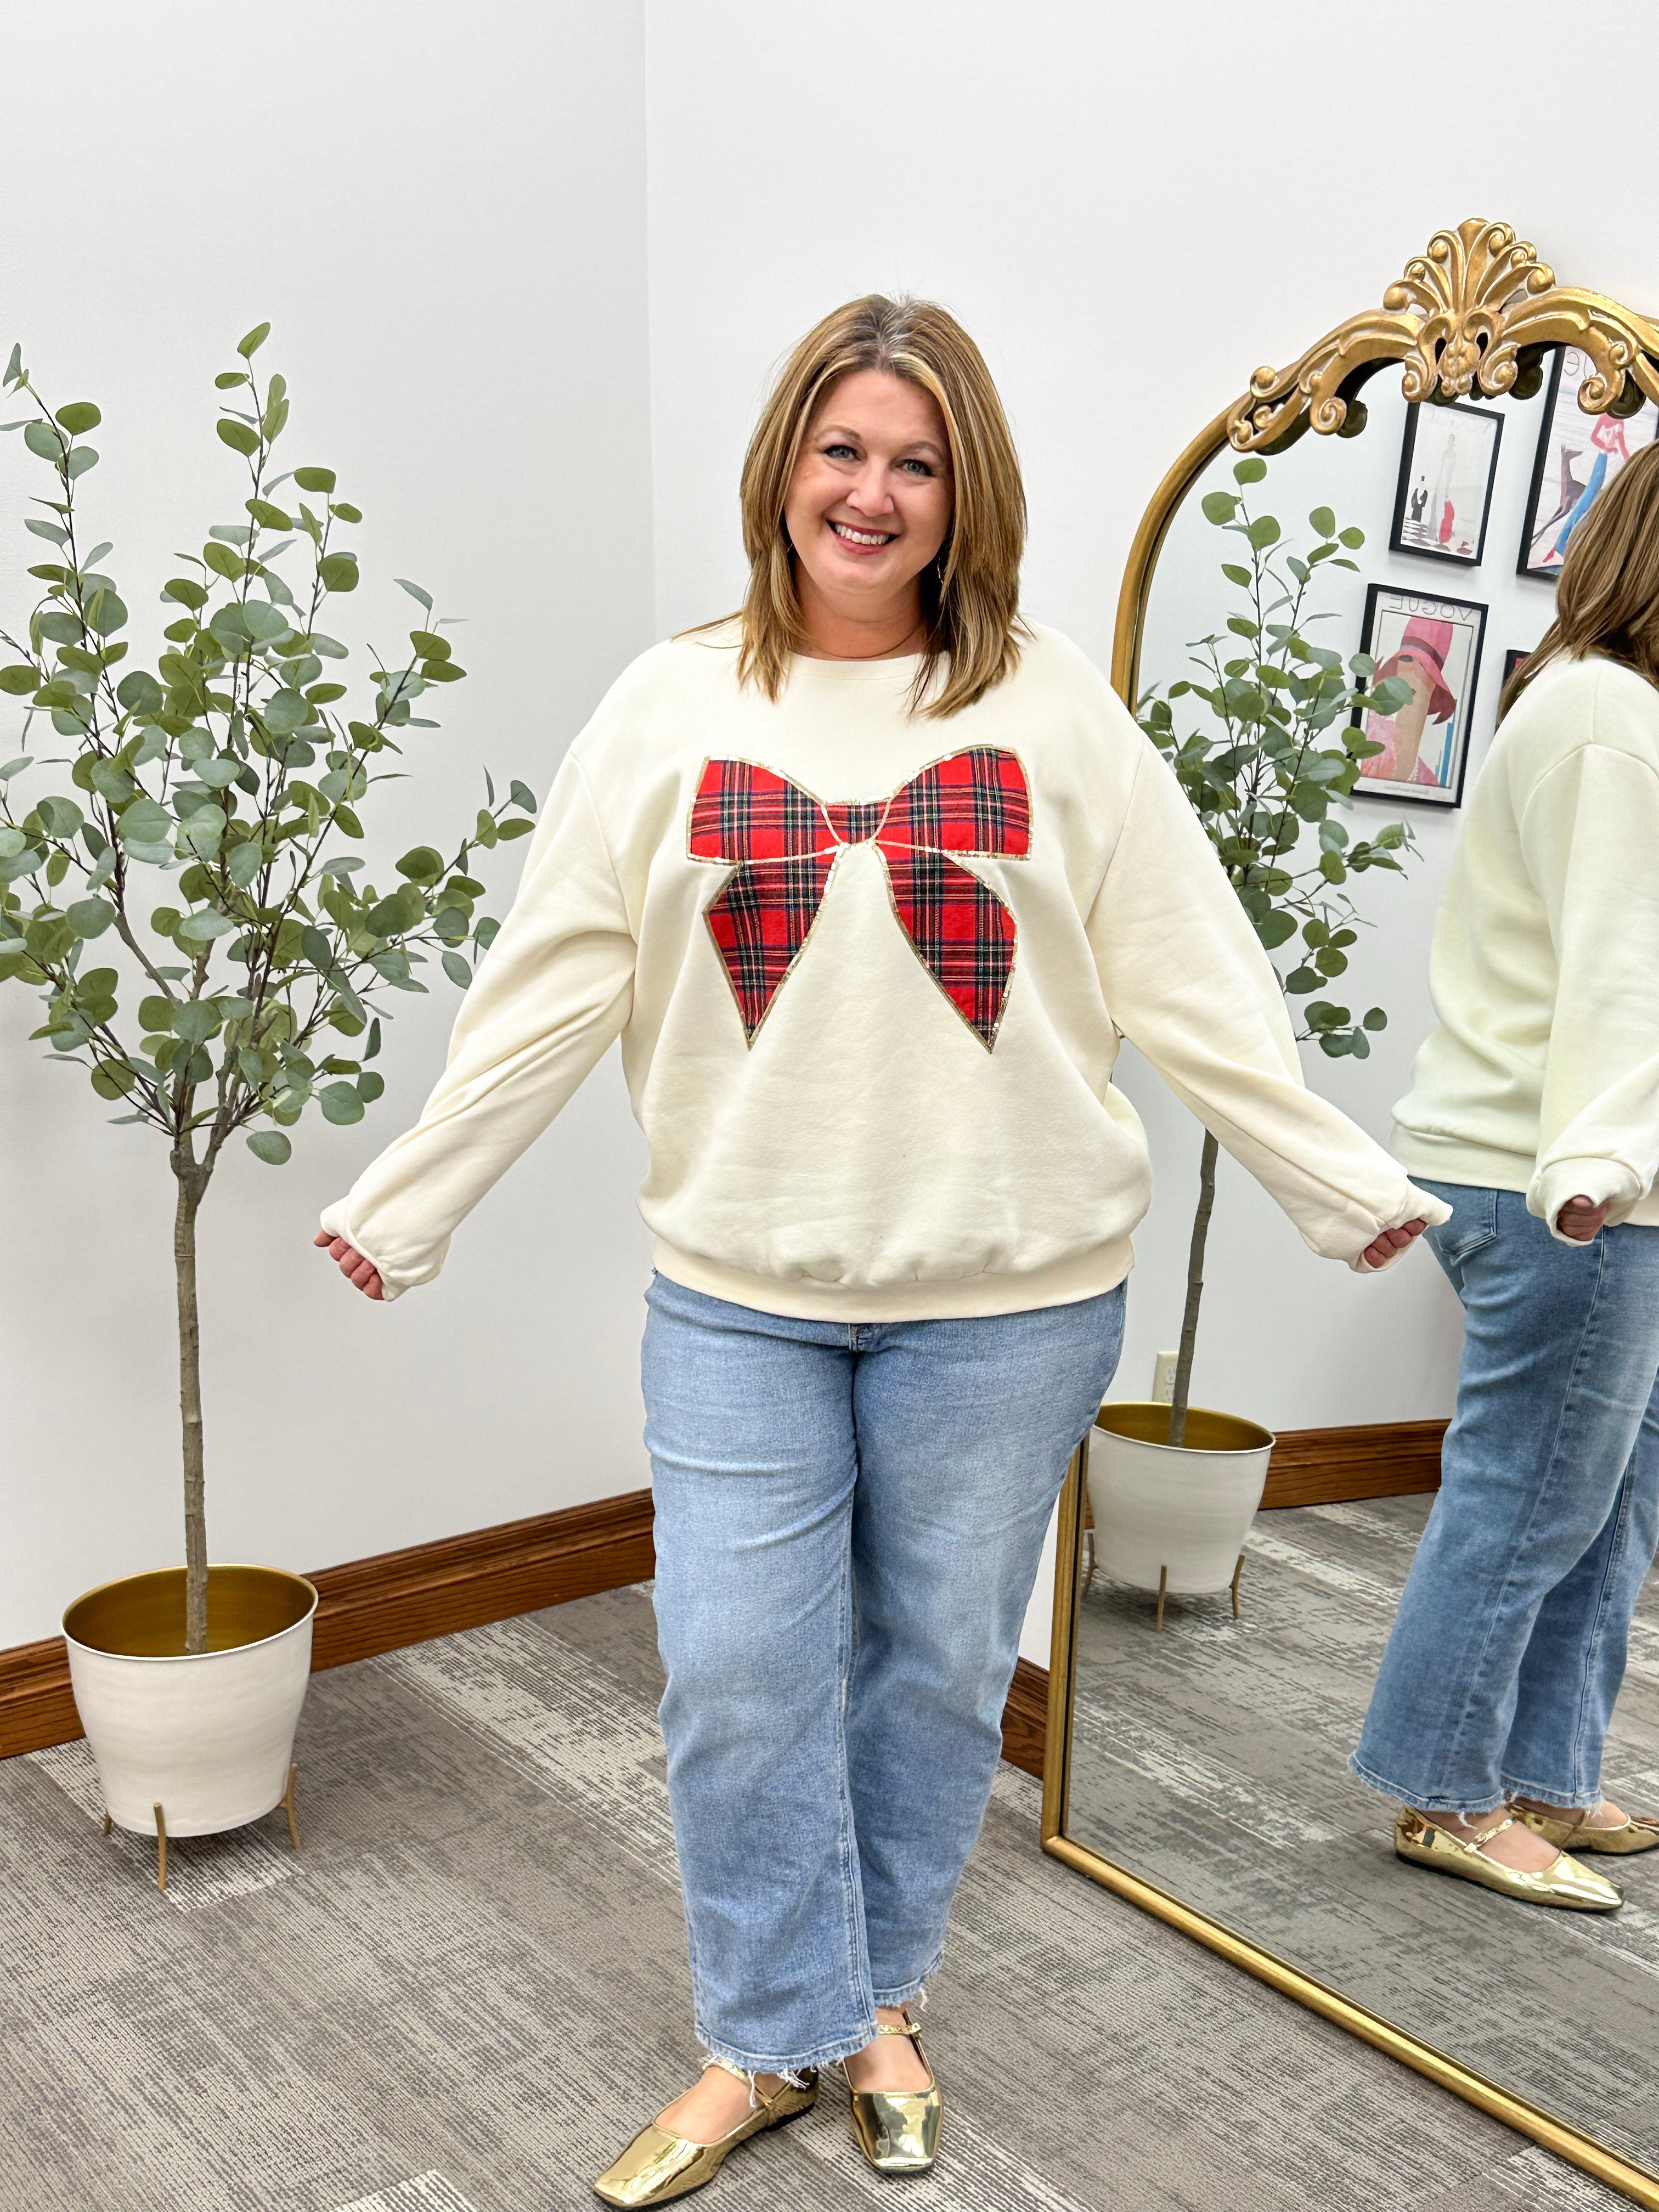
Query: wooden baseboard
(1330,1467)
(1025,1718)
(396,1598)
(380,1604)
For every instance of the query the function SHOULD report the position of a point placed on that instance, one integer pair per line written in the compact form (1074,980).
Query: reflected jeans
(849,1519)
(1508,1650)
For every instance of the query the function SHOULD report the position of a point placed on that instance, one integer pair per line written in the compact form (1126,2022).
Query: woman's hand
(353,1266)
(1378,1253)
(1581,1221)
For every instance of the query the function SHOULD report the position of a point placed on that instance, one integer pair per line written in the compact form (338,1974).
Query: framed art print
(1512,661)
(1434,646)
(1447,465)
(1579,456)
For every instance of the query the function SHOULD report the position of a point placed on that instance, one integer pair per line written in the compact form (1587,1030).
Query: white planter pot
(208,1737)
(1174,1517)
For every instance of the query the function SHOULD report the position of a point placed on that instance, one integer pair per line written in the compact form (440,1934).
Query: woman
(1534,1113)
(863,878)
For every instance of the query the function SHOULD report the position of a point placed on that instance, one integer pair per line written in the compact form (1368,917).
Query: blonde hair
(1607,596)
(970,592)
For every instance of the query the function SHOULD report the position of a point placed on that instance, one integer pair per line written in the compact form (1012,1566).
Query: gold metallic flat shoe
(1569,1831)
(657,2166)
(898,2129)
(1573,1887)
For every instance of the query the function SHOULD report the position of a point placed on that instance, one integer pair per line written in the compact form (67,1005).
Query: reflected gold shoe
(1572,1888)
(1569,1831)
(657,2166)
(898,2128)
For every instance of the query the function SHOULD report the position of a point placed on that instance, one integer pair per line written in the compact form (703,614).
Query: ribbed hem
(1066,1283)
(1456,1159)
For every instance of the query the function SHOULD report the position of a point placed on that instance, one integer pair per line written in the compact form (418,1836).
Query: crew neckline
(834,672)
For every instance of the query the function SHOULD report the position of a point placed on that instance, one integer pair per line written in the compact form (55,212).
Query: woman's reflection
(1534,1112)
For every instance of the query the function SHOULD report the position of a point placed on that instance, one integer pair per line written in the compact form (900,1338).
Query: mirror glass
(1209,1756)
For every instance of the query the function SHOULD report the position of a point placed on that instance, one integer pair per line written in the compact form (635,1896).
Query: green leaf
(441,671)
(205,925)
(156,1013)
(283,712)
(143,823)
(1352,539)
(422,865)
(1274,928)
(1217,506)
(188,594)
(40,438)
(338,572)
(429,645)
(1263,532)
(1322,522)
(19,679)
(270,1146)
(245,862)
(516,828)
(240,435)
(1251,470)
(1236,574)
(248,347)
(106,613)
(139,693)
(1376,1020)
(223,561)
(415,591)
(89,917)
(79,415)
(457,970)
(522,795)
(196,1020)
(340,1103)
(314,479)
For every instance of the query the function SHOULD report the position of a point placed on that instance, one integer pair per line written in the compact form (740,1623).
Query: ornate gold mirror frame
(1477,311)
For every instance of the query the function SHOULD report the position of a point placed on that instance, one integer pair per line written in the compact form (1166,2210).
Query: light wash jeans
(1508,1650)
(848,1523)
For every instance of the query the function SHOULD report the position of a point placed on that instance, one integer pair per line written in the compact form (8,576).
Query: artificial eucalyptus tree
(1279,747)
(180,885)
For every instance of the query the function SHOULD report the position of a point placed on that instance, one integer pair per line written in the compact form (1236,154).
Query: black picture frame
(1640,428)
(1455,661)
(1512,659)
(1439,422)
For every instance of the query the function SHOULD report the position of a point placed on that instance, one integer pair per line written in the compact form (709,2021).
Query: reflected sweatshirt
(1543,1075)
(869,972)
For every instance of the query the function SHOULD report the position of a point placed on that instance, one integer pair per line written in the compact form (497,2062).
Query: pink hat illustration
(1425,644)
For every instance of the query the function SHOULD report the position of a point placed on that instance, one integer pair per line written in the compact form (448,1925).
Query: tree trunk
(192,1181)
(1183,1379)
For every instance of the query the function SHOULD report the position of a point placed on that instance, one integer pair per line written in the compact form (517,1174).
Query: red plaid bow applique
(786,842)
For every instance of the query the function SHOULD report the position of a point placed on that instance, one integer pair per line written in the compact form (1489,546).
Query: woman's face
(870,501)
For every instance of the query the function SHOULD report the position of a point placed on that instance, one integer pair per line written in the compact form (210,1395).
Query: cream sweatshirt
(869,972)
(1543,1075)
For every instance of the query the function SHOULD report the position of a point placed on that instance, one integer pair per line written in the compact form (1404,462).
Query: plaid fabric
(784,842)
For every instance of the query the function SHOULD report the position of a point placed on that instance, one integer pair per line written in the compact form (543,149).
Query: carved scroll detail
(1472,313)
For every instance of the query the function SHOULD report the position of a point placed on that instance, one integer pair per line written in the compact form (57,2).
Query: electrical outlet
(1164,1376)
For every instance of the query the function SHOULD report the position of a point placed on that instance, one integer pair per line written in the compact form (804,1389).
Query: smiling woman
(869,976)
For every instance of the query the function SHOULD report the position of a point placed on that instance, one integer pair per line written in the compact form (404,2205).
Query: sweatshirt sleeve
(549,997)
(1187,981)
(1588,833)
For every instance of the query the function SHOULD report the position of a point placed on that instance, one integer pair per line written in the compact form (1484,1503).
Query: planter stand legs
(286,1800)
(1162,1585)
(1238,1571)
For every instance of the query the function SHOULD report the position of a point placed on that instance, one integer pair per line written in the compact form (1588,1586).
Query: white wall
(460,220)
(441,211)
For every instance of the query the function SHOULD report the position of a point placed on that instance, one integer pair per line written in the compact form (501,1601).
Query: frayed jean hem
(1427,1803)
(913,1992)
(1568,1804)
(747,2062)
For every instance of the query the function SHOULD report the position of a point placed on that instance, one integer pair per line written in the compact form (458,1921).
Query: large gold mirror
(1197,1744)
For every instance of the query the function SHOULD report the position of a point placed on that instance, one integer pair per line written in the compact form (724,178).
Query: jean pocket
(1473,1227)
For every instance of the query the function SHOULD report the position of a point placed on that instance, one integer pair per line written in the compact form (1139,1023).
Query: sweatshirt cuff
(333,1221)
(1595,1178)
(1417,1205)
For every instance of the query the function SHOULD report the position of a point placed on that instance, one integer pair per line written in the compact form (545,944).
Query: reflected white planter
(1174,1517)
(209,1736)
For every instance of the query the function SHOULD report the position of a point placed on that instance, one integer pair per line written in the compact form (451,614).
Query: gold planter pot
(189,1744)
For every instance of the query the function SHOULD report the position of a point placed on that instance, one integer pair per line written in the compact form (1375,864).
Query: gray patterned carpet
(470,1987)
(1212,1760)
